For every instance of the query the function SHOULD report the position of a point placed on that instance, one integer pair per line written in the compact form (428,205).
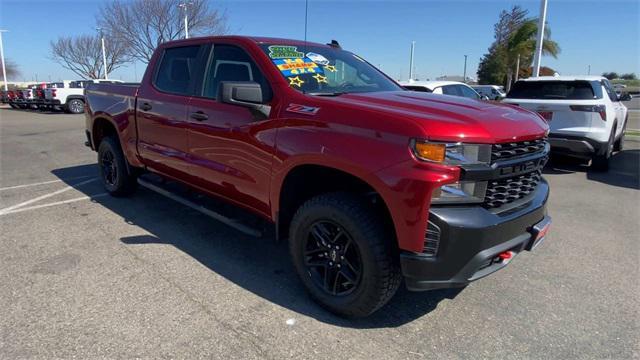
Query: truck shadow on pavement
(259,265)
(624,169)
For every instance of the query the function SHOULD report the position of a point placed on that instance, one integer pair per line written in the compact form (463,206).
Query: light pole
(540,38)
(464,74)
(518,68)
(413,46)
(184,6)
(4,69)
(104,54)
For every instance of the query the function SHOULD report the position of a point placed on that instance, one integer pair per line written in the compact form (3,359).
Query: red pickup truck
(370,183)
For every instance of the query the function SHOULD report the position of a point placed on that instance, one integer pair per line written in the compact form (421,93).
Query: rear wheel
(75,106)
(619,144)
(600,162)
(112,164)
(343,254)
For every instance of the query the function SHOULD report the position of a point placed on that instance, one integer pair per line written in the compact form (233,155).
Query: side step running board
(184,201)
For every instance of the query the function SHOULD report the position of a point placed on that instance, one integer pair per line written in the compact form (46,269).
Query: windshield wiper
(336,93)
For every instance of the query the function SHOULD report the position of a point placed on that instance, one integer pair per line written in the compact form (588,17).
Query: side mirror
(243,93)
(625,97)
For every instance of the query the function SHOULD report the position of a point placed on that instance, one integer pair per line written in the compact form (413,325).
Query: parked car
(492,92)
(442,87)
(70,96)
(369,182)
(586,116)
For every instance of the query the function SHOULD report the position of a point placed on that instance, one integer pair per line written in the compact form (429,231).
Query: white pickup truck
(71,97)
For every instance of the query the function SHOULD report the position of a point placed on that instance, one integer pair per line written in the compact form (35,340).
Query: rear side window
(468,92)
(177,69)
(559,90)
(417,88)
(231,63)
(451,90)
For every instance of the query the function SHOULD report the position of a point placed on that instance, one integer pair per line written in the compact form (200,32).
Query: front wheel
(112,164)
(344,255)
(75,106)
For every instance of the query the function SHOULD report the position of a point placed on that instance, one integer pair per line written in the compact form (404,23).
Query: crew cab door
(231,146)
(161,110)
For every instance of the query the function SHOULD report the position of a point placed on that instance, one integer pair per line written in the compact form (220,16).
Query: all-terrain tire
(116,177)
(379,276)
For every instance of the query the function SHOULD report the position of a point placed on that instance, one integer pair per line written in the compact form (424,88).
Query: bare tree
(144,24)
(83,55)
(11,68)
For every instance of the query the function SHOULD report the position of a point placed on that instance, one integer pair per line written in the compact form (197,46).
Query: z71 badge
(302,109)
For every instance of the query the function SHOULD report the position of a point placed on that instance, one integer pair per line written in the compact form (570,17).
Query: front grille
(504,191)
(431,239)
(512,150)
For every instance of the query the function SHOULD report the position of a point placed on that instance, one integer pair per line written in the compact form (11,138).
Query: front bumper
(471,239)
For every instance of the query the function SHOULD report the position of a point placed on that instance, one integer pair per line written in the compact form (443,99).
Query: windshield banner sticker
(330,68)
(298,66)
(317,58)
(295,81)
(320,79)
(282,52)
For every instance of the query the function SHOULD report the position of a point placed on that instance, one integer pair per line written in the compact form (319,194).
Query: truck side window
(231,63)
(176,69)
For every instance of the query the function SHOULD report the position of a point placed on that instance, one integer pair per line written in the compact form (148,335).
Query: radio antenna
(306,12)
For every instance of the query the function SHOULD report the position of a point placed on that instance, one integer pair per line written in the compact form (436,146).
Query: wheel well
(306,181)
(101,129)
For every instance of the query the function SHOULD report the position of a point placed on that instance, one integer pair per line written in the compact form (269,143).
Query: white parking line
(44,182)
(54,203)
(7,209)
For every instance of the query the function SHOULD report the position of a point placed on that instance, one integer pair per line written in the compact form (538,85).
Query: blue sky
(603,34)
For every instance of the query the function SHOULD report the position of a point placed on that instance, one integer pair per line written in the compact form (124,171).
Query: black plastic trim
(471,236)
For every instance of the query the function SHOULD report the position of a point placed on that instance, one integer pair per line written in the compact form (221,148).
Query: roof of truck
(256,39)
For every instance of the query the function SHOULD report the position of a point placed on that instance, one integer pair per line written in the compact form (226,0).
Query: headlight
(451,154)
(460,192)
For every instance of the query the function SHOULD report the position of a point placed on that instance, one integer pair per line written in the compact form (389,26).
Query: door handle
(145,107)
(199,116)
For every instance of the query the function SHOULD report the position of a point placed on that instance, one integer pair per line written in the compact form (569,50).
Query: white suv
(586,116)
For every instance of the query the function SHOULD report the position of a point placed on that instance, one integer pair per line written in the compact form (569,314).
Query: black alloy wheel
(332,258)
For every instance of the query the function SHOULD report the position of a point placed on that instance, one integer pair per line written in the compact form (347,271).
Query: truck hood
(452,118)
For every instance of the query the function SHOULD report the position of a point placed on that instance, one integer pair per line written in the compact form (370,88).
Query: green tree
(522,42)
(611,75)
(514,34)
(629,76)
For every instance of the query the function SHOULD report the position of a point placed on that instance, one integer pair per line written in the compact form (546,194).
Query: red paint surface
(245,160)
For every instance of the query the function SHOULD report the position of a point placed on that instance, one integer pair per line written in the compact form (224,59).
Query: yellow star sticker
(295,81)
(330,68)
(320,79)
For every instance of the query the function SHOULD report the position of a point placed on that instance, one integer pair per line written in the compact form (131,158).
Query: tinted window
(176,69)
(451,90)
(610,91)
(570,90)
(416,88)
(231,63)
(468,92)
(326,70)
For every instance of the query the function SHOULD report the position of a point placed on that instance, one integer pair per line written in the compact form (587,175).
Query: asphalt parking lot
(86,275)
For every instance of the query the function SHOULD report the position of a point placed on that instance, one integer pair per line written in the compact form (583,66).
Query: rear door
(231,147)
(618,109)
(161,110)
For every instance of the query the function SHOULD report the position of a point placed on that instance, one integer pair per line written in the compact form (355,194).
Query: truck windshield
(328,71)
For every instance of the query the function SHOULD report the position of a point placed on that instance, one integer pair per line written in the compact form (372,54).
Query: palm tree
(523,42)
